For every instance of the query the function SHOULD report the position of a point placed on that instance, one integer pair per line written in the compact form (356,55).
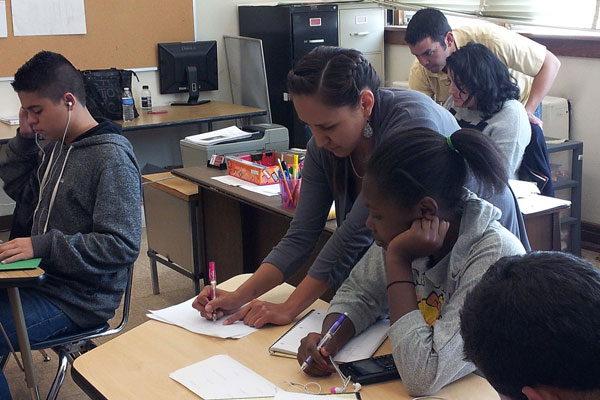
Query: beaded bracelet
(394,282)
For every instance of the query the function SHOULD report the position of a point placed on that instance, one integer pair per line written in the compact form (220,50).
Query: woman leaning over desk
(336,93)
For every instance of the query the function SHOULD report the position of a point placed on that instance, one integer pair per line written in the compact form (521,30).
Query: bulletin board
(120,33)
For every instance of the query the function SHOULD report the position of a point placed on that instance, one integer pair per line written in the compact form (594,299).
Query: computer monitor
(188,67)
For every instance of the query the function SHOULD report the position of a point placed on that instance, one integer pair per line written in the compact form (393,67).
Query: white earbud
(337,389)
(70,103)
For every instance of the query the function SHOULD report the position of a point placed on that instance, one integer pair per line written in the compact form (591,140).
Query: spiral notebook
(358,348)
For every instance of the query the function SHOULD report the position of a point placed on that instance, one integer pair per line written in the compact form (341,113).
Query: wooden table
(541,215)
(137,364)
(543,229)
(185,115)
(12,280)
(238,228)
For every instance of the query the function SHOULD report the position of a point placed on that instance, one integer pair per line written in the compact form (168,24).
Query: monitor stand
(194,93)
(196,103)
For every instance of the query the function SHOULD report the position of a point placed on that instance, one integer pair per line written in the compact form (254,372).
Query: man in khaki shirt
(431,40)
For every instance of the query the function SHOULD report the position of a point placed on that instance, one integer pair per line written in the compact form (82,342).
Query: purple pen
(330,332)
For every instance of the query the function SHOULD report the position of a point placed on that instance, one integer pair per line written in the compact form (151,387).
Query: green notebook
(32,263)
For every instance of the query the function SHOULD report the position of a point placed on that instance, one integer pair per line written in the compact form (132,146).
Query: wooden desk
(184,115)
(237,227)
(543,229)
(12,280)
(137,364)
(541,215)
(170,206)
(204,113)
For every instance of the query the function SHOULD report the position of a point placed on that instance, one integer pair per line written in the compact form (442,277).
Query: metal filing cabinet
(288,32)
(361,27)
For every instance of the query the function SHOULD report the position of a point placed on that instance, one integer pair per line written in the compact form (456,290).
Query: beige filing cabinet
(170,205)
(361,27)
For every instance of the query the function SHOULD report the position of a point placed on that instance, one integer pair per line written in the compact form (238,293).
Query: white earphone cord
(50,171)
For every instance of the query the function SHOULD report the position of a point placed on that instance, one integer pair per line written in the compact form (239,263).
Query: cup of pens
(289,185)
(290,191)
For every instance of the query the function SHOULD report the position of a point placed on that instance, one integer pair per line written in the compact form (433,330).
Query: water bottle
(146,98)
(127,98)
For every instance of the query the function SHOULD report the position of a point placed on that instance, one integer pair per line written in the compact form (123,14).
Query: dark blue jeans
(42,318)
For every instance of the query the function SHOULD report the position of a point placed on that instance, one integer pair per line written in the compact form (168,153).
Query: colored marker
(332,330)
(296,174)
(157,112)
(212,277)
(285,183)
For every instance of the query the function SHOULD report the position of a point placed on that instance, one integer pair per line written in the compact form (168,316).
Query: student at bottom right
(532,327)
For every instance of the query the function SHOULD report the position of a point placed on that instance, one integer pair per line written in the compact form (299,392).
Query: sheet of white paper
(3,21)
(48,17)
(230,180)
(267,190)
(365,344)
(523,188)
(185,316)
(535,203)
(222,377)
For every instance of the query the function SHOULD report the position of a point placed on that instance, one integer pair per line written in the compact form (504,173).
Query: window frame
(559,45)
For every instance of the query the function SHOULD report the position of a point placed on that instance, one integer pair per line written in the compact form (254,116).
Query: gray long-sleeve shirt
(94,224)
(394,111)
(426,343)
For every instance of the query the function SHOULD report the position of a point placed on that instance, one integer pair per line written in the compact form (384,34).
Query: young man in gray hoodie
(80,190)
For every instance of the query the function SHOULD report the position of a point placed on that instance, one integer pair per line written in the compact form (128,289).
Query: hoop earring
(367,130)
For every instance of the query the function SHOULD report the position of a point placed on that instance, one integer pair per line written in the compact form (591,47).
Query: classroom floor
(174,288)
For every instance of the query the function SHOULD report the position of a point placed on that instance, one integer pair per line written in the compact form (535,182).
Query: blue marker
(332,330)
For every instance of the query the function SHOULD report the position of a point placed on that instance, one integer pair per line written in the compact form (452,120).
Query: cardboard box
(252,172)
(264,170)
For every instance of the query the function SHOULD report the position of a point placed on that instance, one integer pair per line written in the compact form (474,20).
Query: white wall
(582,93)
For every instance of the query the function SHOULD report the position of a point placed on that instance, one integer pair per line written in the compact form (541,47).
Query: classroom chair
(68,348)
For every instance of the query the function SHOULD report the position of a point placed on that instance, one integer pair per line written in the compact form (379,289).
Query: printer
(267,137)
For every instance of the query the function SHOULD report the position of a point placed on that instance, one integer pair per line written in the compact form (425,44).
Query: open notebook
(358,348)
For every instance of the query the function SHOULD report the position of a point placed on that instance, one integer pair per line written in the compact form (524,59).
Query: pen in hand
(330,332)
(212,277)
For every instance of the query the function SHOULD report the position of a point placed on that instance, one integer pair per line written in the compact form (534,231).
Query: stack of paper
(10,120)
(531,202)
(187,317)
(225,135)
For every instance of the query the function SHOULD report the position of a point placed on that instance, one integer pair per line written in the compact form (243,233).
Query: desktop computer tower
(288,32)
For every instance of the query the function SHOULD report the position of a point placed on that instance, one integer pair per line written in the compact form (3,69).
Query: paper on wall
(3,21)
(48,17)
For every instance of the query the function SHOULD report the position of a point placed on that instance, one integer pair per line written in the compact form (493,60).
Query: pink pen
(212,277)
